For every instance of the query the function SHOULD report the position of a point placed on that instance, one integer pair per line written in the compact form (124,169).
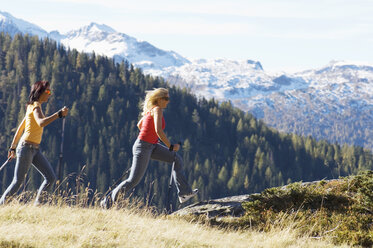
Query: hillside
(339,209)
(335,213)
(225,150)
(62,226)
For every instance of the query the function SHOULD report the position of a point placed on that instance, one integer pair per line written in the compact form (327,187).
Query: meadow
(335,213)
(25,225)
(59,223)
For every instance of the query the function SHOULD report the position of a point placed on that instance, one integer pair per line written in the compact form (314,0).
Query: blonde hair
(152,97)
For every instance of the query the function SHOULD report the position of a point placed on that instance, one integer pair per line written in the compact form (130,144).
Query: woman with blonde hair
(146,147)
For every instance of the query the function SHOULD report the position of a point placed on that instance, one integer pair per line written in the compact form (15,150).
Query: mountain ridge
(12,25)
(106,41)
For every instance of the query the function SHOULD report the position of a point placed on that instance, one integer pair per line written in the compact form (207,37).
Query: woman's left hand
(64,111)
(11,153)
(176,147)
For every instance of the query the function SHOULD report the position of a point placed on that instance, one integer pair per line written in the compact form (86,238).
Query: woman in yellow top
(28,138)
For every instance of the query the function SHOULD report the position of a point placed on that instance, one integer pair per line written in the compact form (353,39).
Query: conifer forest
(225,150)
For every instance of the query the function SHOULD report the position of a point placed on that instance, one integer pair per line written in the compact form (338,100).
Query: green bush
(341,209)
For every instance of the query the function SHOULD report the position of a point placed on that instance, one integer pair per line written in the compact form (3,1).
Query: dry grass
(24,225)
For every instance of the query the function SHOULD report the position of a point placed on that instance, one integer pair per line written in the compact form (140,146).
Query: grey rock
(228,206)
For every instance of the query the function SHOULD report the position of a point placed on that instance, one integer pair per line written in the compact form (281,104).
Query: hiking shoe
(184,198)
(107,202)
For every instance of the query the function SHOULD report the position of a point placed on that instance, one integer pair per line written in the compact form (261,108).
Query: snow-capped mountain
(333,102)
(337,84)
(12,25)
(337,104)
(101,39)
(106,41)
(229,79)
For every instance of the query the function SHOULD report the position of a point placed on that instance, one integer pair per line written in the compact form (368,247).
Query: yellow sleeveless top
(33,131)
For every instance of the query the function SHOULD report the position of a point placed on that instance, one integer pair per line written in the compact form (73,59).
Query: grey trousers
(27,155)
(142,153)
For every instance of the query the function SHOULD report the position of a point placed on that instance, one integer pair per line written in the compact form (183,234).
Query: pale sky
(284,35)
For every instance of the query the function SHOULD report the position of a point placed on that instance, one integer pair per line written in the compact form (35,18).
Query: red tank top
(147,131)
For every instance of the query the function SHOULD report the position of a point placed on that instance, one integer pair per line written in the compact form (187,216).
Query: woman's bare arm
(158,114)
(16,138)
(18,133)
(139,124)
(43,121)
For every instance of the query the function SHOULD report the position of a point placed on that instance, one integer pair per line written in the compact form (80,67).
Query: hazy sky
(281,34)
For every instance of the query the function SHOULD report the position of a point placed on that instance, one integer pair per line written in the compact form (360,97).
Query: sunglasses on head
(48,92)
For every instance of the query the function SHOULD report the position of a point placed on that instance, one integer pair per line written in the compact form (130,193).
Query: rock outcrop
(228,206)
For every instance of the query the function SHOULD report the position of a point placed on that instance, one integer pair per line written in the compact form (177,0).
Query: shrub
(341,209)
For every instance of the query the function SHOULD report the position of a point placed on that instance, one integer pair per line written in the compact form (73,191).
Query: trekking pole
(117,182)
(59,167)
(6,162)
(168,203)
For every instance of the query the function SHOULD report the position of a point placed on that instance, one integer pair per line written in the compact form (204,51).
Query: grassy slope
(321,214)
(51,226)
(340,209)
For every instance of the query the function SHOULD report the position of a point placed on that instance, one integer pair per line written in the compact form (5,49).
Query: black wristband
(60,114)
(171,148)
(12,149)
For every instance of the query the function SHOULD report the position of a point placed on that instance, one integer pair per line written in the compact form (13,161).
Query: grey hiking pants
(27,155)
(142,153)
